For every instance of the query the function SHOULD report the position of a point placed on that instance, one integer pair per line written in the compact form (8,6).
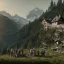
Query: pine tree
(63,6)
(54,4)
(59,2)
(59,6)
(51,5)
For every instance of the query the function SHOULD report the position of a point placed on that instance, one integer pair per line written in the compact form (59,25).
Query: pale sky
(22,7)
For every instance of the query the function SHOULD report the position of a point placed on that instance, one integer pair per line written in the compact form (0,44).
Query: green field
(32,60)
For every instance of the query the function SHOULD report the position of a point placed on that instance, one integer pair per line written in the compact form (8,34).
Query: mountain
(27,36)
(20,21)
(6,14)
(34,14)
(34,35)
(7,28)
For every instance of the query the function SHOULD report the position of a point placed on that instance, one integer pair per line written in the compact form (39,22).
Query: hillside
(34,14)
(20,21)
(28,33)
(7,28)
(34,35)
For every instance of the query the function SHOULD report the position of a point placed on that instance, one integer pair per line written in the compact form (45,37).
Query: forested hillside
(34,35)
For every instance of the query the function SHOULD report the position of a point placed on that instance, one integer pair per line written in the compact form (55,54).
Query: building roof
(48,21)
(55,19)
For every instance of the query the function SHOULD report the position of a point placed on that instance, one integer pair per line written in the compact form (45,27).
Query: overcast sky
(22,7)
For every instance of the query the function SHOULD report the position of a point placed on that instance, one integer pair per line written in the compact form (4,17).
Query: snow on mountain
(34,14)
(20,21)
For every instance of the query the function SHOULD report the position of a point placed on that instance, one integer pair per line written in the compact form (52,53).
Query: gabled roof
(47,20)
(55,19)
(58,19)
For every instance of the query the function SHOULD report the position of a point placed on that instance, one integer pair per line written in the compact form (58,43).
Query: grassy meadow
(57,59)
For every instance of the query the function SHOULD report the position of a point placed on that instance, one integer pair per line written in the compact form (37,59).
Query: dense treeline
(54,9)
(28,35)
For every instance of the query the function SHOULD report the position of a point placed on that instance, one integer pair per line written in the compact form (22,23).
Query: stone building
(57,22)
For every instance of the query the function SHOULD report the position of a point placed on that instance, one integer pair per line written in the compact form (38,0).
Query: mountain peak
(34,14)
(15,15)
(5,14)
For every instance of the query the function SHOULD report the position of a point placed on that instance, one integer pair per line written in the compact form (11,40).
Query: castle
(56,22)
